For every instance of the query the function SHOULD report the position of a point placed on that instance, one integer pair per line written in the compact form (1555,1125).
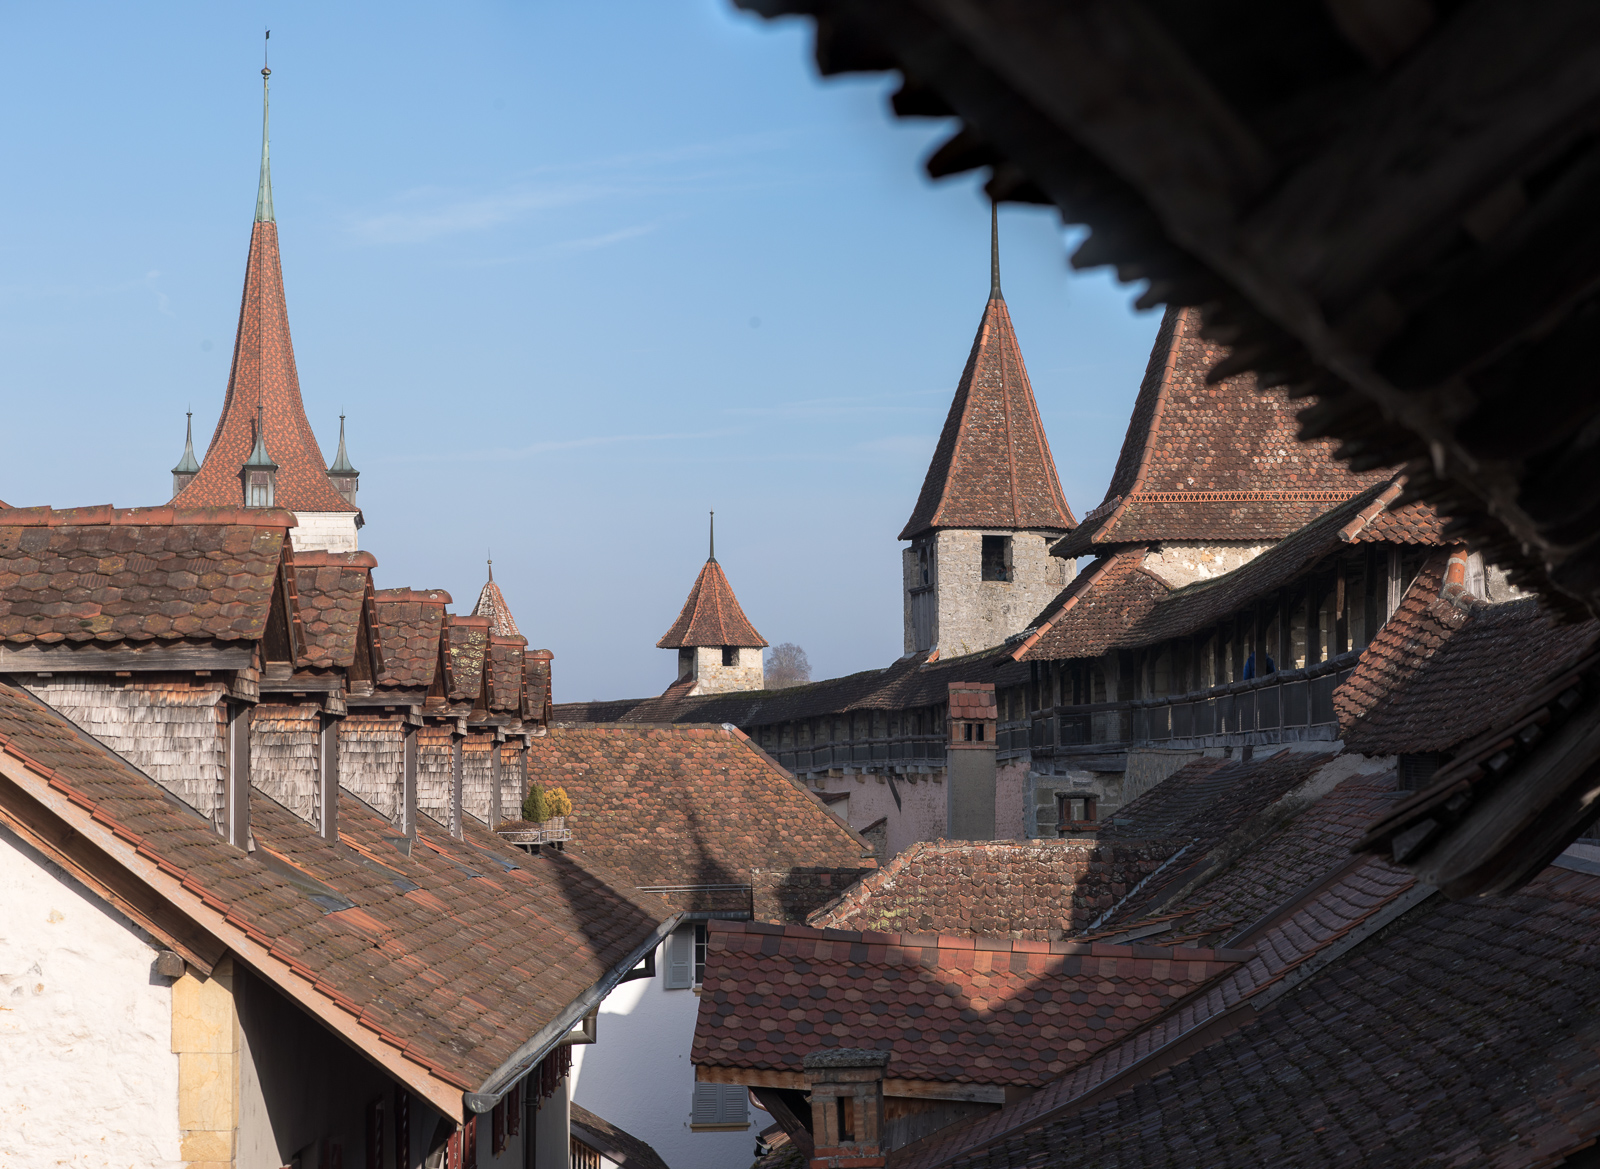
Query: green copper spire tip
(341,464)
(264,192)
(994,252)
(187,465)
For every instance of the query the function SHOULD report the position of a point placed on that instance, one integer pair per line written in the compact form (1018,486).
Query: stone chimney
(847,1108)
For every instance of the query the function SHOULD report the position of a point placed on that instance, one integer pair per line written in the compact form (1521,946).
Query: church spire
(264,191)
(994,252)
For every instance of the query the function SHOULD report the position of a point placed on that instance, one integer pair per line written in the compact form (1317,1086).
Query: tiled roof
(995,888)
(992,467)
(492,604)
(1440,673)
(112,575)
(465,653)
(1211,462)
(1095,611)
(409,623)
(910,682)
(1116,604)
(263,374)
(443,954)
(700,810)
(987,1011)
(1463,1034)
(331,588)
(537,684)
(617,1145)
(711,615)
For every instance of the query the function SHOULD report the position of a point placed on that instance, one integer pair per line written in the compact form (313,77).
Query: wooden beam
(62,658)
(920,1089)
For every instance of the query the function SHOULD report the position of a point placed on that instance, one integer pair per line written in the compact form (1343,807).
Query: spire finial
(994,252)
(264,191)
(187,465)
(491,563)
(713,555)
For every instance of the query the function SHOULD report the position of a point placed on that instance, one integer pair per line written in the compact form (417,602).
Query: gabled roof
(1443,670)
(711,615)
(507,669)
(702,811)
(119,575)
(492,604)
(466,650)
(263,376)
(992,467)
(962,1010)
(1211,462)
(615,1144)
(1095,611)
(439,960)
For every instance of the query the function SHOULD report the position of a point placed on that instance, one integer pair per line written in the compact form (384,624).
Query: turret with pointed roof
(718,648)
(991,503)
(264,385)
(188,467)
(492,604)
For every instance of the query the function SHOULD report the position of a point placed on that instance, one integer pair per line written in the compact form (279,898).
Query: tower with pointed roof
(1210,474)
(978,568)
(718,649)
(187,467)
(492,604)
(263,452)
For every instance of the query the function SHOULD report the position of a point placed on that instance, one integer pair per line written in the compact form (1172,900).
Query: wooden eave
(95,657)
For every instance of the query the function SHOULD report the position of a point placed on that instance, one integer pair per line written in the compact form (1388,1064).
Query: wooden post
(1285,634)
(495,802)
(236,785)
(327,807)
(1341,611)
(1258,639)
(457,824)
(1313,620)
(408,780)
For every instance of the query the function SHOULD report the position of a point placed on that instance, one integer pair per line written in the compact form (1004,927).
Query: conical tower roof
(263,379)
(187,465)
(492,604)
(1211,462)
(992,467)
(711,615)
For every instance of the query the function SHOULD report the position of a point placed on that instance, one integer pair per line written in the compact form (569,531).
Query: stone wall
(972,614)
(1148,767)
(1182,562)
(712,677)
(920,814)
(324,531)
(1042,788)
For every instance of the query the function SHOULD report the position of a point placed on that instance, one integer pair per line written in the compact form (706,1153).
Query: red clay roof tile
(711,615)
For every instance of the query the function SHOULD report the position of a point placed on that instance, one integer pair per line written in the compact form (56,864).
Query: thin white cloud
(512,454)
(856,404)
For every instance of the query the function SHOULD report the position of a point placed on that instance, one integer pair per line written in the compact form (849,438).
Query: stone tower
(263,448)
(979,567)
(718,649)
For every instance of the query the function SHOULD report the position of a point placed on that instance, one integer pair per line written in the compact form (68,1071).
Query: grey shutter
(680,963)
(735,1104)
(707,1101)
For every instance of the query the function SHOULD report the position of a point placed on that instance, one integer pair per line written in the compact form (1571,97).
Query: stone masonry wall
(974,614)
(1182,562)
(712,677)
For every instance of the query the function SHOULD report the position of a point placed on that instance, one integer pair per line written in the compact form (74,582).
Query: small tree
(541,804)
(786,665)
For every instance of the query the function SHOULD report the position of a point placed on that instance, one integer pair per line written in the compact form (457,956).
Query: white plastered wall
(638,1075)
(324,531)
(87,1074)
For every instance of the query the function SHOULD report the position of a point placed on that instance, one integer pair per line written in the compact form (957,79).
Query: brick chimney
(847,1108)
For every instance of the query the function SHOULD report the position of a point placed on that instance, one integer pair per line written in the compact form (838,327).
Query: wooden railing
(913,749)
(1280,705)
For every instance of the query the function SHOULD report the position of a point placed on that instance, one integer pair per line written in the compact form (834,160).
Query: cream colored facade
(325,531)
(705,664)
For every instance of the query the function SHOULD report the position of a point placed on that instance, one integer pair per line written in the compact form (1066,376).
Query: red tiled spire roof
(992,467)
(711,615)
(492,604)
(1211,462)
(263,375)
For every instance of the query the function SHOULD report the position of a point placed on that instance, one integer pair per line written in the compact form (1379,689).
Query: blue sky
(577,273)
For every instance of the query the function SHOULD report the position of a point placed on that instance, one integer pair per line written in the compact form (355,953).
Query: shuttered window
(720,1104)
(680,959)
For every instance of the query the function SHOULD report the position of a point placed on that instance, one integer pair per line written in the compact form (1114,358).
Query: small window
(847,1117)
(699,953)
(997,558)
(678,971)
(1074,809)
(730,655)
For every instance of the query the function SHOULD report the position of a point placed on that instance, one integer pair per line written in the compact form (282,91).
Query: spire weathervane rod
(713,555)
(490,553)
(264,191)
(994,252)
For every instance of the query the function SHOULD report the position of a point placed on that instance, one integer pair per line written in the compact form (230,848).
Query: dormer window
(260,489)
(259,474)
(997,558)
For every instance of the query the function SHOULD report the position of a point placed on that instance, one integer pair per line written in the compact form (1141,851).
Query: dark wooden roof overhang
(1386,208)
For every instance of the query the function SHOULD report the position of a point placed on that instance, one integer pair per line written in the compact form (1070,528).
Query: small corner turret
(345,478)
(187,467)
